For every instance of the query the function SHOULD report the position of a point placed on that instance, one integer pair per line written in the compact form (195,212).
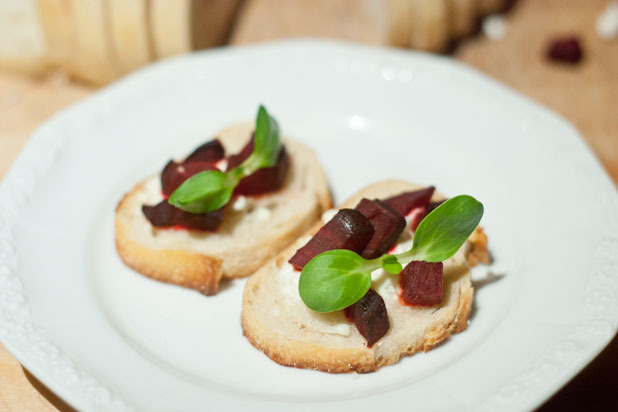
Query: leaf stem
(236,174)
(403,259)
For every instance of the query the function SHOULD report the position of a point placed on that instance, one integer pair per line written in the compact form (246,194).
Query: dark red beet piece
(405,202)
(201,221)
(416,219)
(203,158)
(565,50)
(236,159)
(348,229)
(421,283)
(369,316)
(210,152)
(263,180)
(166,215)
(174,174)
(387,225)
(416,216)
(432,205)
(161,215)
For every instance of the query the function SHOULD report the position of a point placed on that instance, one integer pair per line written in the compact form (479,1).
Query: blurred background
(562,53)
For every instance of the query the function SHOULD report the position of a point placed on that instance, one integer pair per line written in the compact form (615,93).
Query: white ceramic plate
(108,339)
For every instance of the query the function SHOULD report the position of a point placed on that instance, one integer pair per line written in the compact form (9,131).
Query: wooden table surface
(586,94)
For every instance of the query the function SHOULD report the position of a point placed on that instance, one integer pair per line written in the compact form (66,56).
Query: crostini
(266,211)
(401,310)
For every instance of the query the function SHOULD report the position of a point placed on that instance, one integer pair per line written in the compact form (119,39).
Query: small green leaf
(337,279)
(391,264)
(334,280)
(441,233)
(211,190)
(203,192)
(266,141)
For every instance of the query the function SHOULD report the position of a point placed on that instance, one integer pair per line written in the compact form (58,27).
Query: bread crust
(203,271)
(304,353)
(176,266)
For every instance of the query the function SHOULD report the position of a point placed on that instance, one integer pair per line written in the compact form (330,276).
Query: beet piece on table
(387,225)
(210,152)
(369,316)
(421,283)
(174,174)
(165,215)
(565,50)
(348,229)
(405,202)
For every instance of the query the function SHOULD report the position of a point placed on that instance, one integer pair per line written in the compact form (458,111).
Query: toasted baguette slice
(398,22)
(22,42)
(56,21)
(130,33)
(429,25)
(93,59)
(462,17)
(276,321)
(180,26)
(491,6)
(247,237)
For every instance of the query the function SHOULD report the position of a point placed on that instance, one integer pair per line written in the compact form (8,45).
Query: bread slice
(92,60)
(398,22)
(248,236)
(490,6)
(130,33)
(462,17)
(22,42)
(429,23)
(276,321)
(180,26)
(56,21)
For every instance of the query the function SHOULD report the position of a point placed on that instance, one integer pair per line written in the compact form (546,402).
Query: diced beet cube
(174,174)
(387,225)
(201,221)
(161,215)
(263,180)
(421,283)
(348,229)
(369,316)
(236,159)
(266,180)
(210,152)
(432,205)
(165,215)
(405,202)
(418,214)
(565,50)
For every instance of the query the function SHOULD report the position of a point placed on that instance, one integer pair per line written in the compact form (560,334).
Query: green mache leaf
(204,192)
(211,190)
(441,233)
(391,264)
(266,141)
(334,280)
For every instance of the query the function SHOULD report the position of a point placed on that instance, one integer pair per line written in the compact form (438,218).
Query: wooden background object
(586,94)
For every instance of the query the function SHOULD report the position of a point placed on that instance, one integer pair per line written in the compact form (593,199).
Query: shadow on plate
(58,403)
